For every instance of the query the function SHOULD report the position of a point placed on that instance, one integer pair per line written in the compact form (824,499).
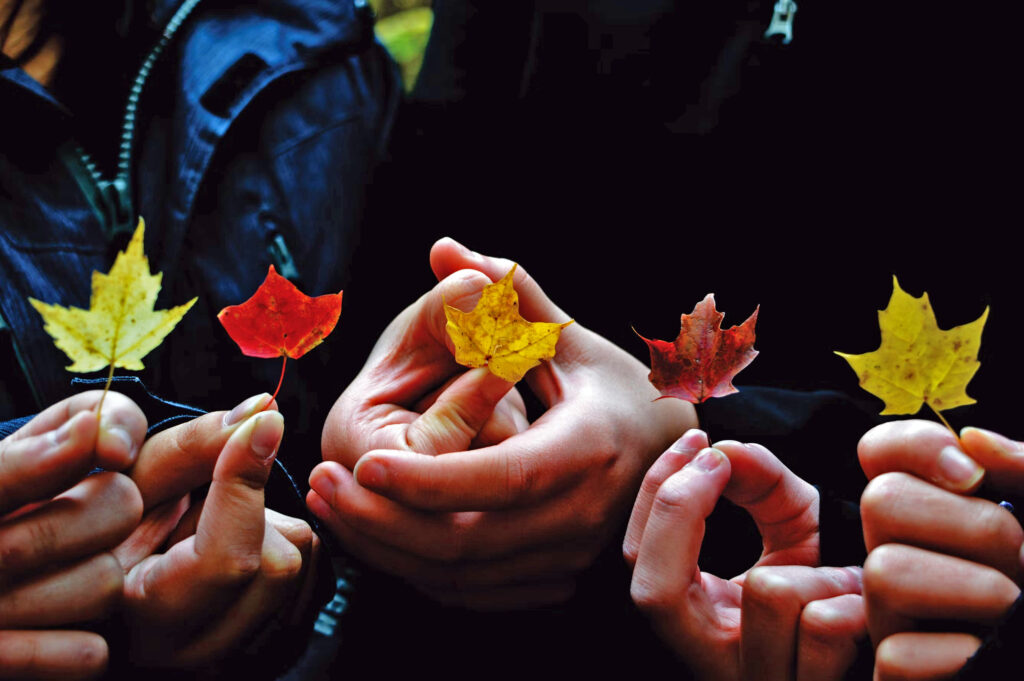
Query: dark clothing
(250,142)
(254,140)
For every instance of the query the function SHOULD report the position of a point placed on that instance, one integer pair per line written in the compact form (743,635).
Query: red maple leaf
(279,320)
(703,359)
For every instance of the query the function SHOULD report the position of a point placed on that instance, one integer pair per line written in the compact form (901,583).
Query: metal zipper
(782,21)
(115,195)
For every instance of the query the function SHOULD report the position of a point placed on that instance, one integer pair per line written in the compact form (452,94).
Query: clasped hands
(187,579)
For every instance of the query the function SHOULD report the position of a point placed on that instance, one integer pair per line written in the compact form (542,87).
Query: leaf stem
(106,389)
(284,362)
(944,421)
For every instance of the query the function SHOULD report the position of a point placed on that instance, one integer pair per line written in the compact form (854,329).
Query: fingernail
(372,474)
(1003,445)
(246,409)
(958,468)
(266,434)
(709,459)
(121,435)
(691,440)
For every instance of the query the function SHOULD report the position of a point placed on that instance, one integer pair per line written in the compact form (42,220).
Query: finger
(508,419)
(71,655)
(904,583)
(545,565)
(39,466)
(446,537)
(152,533)
(784,506)
(773,601)
(913,656)
(122,426)
(667,559)
(1001,457)
(75,593)
(278,578)
(302,537)
(224,554)
(495,477)
(448,256)
(921,448)
(897,508)
(91,517)
(458,414)
(180,459)
(677,456)
(827,641)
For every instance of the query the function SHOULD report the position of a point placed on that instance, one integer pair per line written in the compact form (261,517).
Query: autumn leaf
(279,320)
(917,362)
(494,334)
(120,327)
(703,359)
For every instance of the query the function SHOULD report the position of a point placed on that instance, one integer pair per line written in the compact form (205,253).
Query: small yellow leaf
(494,335)
(917,362)
(120,327)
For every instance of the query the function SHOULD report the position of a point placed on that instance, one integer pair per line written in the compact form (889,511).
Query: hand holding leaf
(496,336)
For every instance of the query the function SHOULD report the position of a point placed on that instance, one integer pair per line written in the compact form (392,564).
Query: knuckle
(767,585)
(44,537)
(241,566)
(653,601)
(283,564)
(882,494)
(521,478)
(881,564)
(996,527)
(671,498)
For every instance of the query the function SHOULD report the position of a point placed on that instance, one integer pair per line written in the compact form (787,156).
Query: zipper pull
(782,21)
(118,198)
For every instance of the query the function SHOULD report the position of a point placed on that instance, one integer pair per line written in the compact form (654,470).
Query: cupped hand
(58,530)
(510,524)
(924,534)
(783,618)
(229,566)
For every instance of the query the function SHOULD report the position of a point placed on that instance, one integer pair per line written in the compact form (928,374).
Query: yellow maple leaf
(494,335)
(120,327)
(917,362)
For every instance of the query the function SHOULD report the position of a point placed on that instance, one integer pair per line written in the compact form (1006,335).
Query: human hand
(505,525)
(230,564)
(57,531)
(783,618)
(925,534)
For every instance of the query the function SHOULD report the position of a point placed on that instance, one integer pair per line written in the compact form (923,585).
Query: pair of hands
(780,620)
(937,553)
(434,474)
(75,548)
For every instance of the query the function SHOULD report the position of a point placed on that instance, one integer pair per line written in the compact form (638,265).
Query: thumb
(458,414)
(448,256)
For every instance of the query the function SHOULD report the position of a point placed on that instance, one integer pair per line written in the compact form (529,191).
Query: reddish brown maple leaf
(279,320)
(703,359)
